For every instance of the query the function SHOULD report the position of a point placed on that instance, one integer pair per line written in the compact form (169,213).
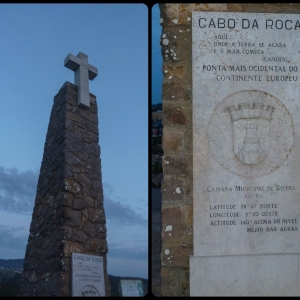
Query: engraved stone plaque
(87,275)
(246,143)
(131,288)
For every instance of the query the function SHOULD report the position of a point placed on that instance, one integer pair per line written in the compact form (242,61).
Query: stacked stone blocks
(68,214)
(177,144)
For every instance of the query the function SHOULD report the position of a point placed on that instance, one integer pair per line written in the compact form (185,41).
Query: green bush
(8,291)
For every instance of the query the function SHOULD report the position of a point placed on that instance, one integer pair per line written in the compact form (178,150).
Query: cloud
(128,253)
(14,237)
(127,267)
(17,190)
(122,214)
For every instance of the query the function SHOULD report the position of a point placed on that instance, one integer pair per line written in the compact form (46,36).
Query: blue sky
(156,73)
(35,40)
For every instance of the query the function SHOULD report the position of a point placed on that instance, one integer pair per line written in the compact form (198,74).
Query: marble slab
(246,148)
(131,288)
(246,134)
(87,275)
(245,275)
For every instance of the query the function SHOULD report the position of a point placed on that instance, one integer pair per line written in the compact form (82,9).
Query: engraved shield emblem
(251,128)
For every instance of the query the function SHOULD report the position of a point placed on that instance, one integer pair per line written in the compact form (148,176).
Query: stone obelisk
(68,216)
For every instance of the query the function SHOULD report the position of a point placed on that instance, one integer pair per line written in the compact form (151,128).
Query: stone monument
(246,136)
(230,191)
(67,242)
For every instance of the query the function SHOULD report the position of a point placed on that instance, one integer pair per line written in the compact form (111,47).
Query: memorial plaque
(131,288)
(87,275)
(246,140)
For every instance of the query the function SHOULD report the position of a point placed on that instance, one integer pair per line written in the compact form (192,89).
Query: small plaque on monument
(246,153)
(87,275)
(131,288)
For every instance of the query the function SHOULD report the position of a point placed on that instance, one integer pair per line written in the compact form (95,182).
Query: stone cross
(83,72)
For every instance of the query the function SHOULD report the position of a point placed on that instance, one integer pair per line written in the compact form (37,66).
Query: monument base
(245,275)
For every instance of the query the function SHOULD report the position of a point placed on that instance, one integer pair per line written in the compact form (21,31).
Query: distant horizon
(1,259)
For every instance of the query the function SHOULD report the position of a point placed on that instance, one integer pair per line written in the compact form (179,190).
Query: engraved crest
(251,128)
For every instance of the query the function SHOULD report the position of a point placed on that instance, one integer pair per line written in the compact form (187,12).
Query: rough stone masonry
(68,213)
(177,187)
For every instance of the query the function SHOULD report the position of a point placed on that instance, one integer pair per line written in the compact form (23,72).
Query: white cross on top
(83,72)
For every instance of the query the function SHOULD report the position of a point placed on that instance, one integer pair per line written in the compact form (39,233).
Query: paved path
(156,240)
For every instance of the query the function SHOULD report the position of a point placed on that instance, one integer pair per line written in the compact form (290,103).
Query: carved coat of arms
(251,128)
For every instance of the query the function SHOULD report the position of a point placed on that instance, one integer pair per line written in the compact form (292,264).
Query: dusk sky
(35,40)
(157,75)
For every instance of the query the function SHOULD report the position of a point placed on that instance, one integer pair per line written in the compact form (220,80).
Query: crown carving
(248,111)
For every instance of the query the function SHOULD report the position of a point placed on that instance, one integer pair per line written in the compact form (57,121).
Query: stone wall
(177,220)
(68,213)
